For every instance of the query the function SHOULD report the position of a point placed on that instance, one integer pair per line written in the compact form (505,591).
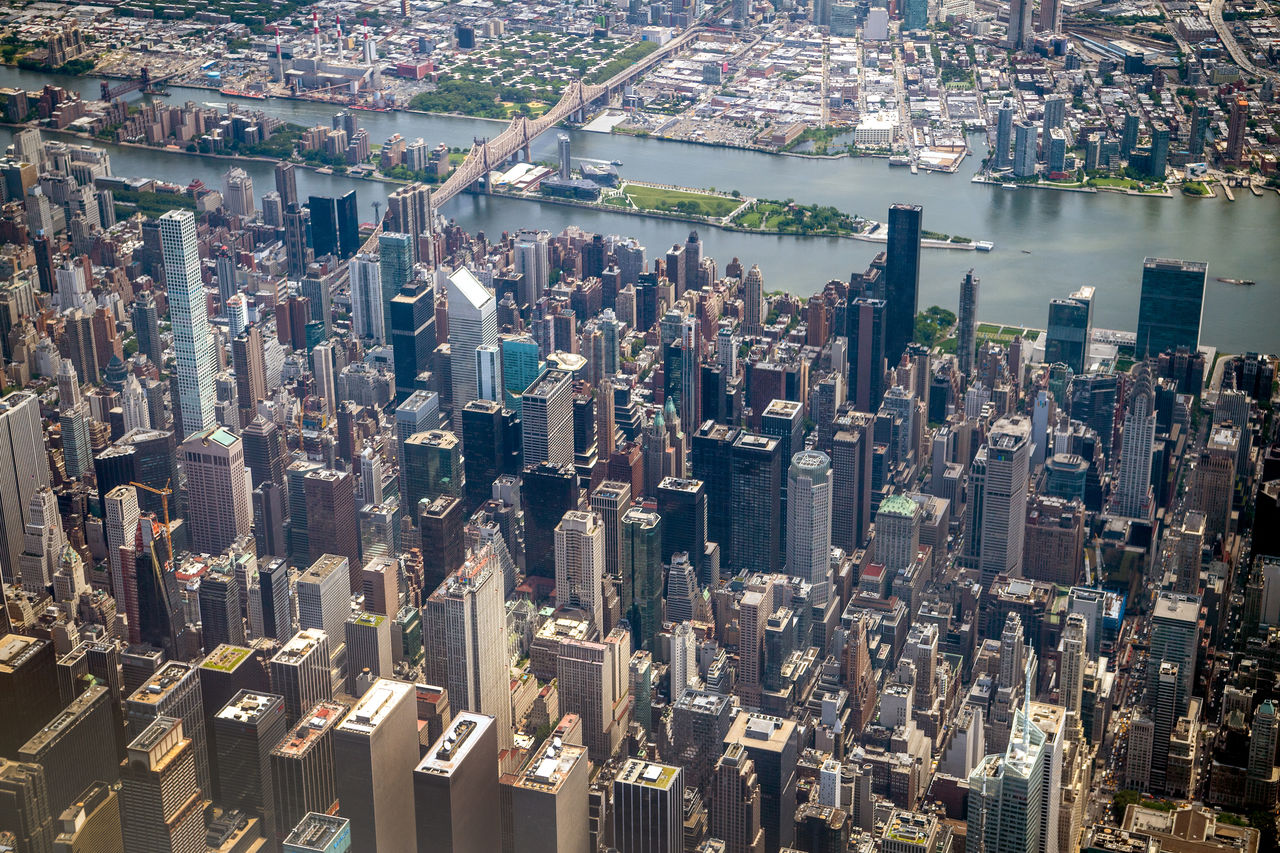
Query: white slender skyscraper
(473,323)
(809,521)
(367,314)
(580,564)
(192,338)
(1133,482)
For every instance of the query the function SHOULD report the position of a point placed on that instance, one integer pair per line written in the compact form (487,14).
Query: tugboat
(617,162)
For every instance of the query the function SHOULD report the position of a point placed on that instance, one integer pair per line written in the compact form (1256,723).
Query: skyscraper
(219,509)
(300,672)
(865,318)
(370,306)
(1133,480)
(1074,656)
(431,465)
(549,801)
(611,499)
(773,745)
(648,808)
(851,483)
(1018,37)
(967,328)
(1070,330)
(192,338)
(331,517)
(413,334)
(473,323)
(547,492)
(998,492)
(395,269)
(160,798)
(1171,307)
(465,636)
(303,774)
(902,278)
(897,533)
(174,691)
(220,608)
(546,419)
(248,727)
(755,533)
(1007,792)
(579,541)
(376,747)
(368,637)
(1004,129)
(452,782)
(1024,147)
(809,521)
(753,308)
(735,802)
(682,503)
(641,567)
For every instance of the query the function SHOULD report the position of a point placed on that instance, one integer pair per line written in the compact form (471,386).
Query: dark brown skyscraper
(331,518)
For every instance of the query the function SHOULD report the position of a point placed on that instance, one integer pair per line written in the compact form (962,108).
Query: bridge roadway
(488,153)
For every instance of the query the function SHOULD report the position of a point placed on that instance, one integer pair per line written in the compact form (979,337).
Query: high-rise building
(174,691)
(413,334)
(549,801)
(1006,807)
(29,695)
(735,802)
(76,748)
(1171,307)
(865,318)
(641,566)
(1070,330)
(248,728)
(902,278)
(1237,127)
(773,745)
(452,782)
(547,492)
(546,409)
(220,608)
(473,323)
(331,518)
(368,637)
(370,306)
(611,499)
(300,672)
(25,810)
(967,328)
(431,466)
(648,808)
(464,623)
(682,503)
(1212,490)
(247,356)
(395,269)
(303,774)
(851,455)
(594,683)
(897,533)
(192,338)
(492,440)
(376,745)
(92,823)
(44,540)
(1175,638)
(160,794)
(1132,485)
(809,521)
(753,306)
(1018,34)
(1074,657)
(24,469)
(998,499)
(1024,148)
(579,539)
(146,324)
(755,529)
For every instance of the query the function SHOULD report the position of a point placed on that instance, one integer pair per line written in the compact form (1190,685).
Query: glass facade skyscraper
(1172,305)
(192,339)
(902,279)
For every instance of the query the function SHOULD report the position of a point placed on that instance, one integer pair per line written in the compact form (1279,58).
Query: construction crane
(164,498)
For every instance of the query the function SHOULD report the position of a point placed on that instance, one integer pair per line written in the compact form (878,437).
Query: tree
(1121,801)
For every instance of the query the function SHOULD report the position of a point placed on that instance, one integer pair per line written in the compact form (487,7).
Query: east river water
(1048,243)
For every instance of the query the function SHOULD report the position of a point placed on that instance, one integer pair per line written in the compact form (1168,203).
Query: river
(1047,243)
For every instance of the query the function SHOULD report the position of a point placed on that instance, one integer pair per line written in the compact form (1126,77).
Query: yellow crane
(164,498)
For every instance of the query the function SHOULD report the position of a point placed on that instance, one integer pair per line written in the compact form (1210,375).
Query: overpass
(486,154)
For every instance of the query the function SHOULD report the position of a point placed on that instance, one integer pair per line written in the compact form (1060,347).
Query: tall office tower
(440,528)
(1074,657)
(533,263)
(1188,545)
(594,683)
(331,517)
(76,748)
(413,334)
(91,824)
(1018,34)
(192,338)
(1024,149)
(710,461)
(1004,131)
(376,745)
(133,402)
(380,582)
(1237,126)
(25,810)
(370,306)
(323,592)
(218,507)
(368,637)
(395,270)
(220,608)
(492,444)
(1132,494)
(641,565)
(611,500)
(579,539)
(296,224)
(431,466)
(690,373)
(1175,637)
(773,745)
(465,636)
(967,329)
(1172,305)
(735,802)
(247,357)
(753,307)
(324,225)
(648,808)
(851,483)
(521,365)
(419,412)
(550,803)
(809,521)
(160,794)
(1260,780)
(303,774)
(682,503)
(547,492)
(44,540)
(902,278)
(264,451)
(546,409)
(29,695)
(1070,329)
(699,722)
(248,728)
(897,533)
(473,323)
(24,468)
(1006,809)
(146,324)
(451,784)
(300,672)
(237,192)
(755,533)
(174,691)
(866,319)
(998,496)
(286,183)
(1212,490)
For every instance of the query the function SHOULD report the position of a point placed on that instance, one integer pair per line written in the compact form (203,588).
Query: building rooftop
(316,832)
(16,650)
(779,408)
(760,731)
(310,729)
(225,658)
(469,287)
(374,706)
(247,706)
(299,646)
(680,484)
(323,567)
(898,504)
(447,754)
(648,773)
(55,727)
(548,771)
(1183,608)
(366,619)
(160,685)
(546,383)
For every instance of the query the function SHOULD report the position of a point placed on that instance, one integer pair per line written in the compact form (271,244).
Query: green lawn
(678,201)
